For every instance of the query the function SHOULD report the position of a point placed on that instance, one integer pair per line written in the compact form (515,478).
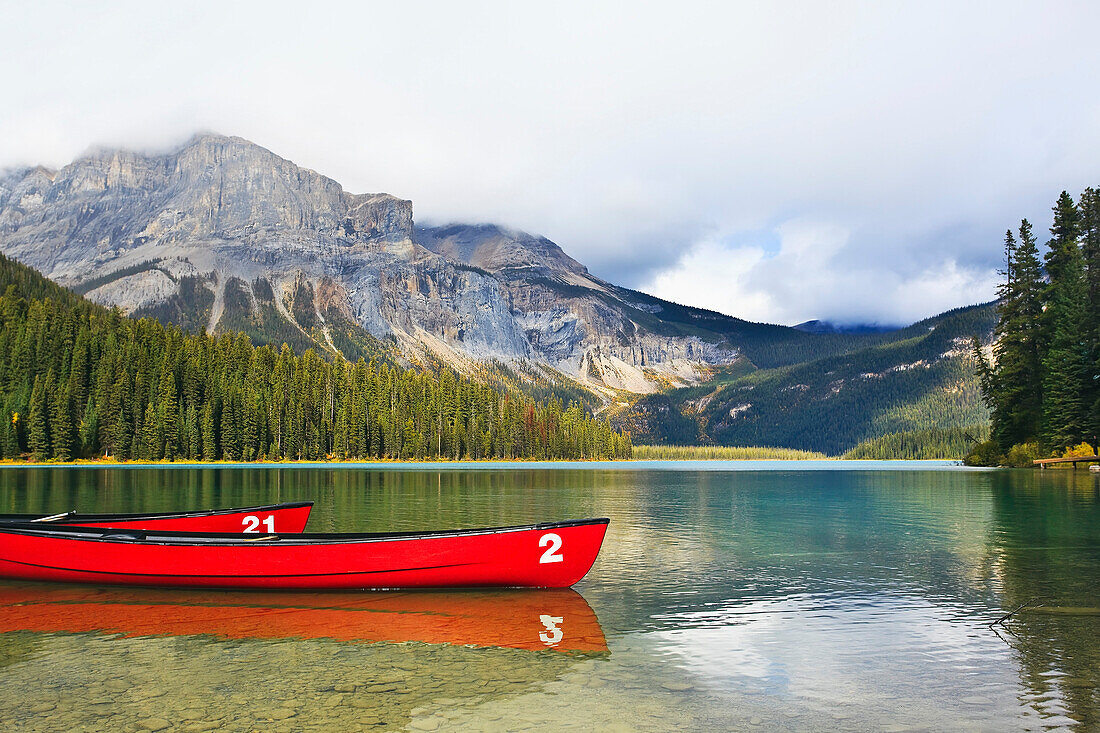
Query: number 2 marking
(553,634)
(252,523)
(553,552)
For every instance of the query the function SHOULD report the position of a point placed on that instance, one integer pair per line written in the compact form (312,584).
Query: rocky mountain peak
(223,234)
(495,248)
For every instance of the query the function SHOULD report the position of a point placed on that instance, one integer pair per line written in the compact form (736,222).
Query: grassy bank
(721,453)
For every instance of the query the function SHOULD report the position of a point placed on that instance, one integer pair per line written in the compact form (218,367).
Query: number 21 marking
(553,552)
(252,523)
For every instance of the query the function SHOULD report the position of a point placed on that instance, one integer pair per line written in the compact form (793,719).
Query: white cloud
(716,277)
(624,132)
(815,274)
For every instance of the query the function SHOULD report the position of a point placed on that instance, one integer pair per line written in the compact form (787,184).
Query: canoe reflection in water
(544,619)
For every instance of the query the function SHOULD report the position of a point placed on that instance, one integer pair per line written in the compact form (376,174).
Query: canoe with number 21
(285,517)
(549,555)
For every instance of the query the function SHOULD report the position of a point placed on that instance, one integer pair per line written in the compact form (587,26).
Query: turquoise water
(750,595)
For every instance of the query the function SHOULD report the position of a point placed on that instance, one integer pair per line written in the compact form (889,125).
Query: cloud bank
(847,161)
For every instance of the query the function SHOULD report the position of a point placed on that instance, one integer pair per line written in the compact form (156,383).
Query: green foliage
(934,443)
(1013,391)
(1064,364)
(1044,384)
(92,382)
(188,308)
(1089,207)
(985,454)
(1023,455)
(721,453)
(97,282)
(539,382)
(262,323)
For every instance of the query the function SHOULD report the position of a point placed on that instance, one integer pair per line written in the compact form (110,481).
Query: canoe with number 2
(549,555)
(285,517)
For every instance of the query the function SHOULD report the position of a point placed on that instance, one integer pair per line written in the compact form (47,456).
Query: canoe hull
(288,517)
(538,556)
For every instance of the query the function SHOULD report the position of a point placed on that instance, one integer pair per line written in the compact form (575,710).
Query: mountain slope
(221,235)
(915,378)
(77,380)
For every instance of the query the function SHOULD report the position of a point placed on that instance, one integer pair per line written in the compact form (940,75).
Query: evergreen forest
(1042,382)
(80,381)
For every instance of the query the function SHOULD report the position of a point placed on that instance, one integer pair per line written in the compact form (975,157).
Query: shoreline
(470,463)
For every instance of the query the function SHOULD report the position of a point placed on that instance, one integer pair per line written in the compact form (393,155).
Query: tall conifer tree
(1014,386)
(38,430)
(1089,207)
(1065,361)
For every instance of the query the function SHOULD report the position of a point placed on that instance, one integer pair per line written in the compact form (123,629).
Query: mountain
(916,378)
(222,235)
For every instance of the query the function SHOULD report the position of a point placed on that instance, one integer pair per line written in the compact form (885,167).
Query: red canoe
(553,619)
(553,555)
(286,517)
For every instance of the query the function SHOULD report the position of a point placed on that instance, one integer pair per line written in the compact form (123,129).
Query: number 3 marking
(553,552)
(252,523)
(553,634)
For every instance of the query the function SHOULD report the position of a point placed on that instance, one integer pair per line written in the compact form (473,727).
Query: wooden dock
(1042,462)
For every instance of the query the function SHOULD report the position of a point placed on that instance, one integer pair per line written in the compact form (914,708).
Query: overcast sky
(773,161)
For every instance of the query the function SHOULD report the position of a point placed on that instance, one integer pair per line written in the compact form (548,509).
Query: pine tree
(121,437)
(209,436)
(38,429)
(194,433)
(1013,389)
(168,416)
(1089,207)
(1065,362)
(152,442)
(9,441)
(61,425)
(89,428)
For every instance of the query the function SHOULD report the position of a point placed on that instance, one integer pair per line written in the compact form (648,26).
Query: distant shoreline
(391,463)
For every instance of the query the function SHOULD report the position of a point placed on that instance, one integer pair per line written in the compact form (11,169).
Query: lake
(755,596)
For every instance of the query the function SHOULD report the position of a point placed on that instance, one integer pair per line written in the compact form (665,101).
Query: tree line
(1042,385)
(78,380)
(920,445)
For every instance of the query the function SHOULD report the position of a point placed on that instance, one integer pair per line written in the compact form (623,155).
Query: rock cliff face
(222,234)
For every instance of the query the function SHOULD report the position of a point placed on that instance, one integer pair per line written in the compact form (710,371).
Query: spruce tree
(121,437)
(1065,362)
(61,424)
(1089,208)
(1013,388)
(167,414)
(209,435)
(38,429)
(9,443)
(89,428)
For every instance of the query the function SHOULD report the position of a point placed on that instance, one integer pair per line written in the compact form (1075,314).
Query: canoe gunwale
(232,539)
(74,518)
